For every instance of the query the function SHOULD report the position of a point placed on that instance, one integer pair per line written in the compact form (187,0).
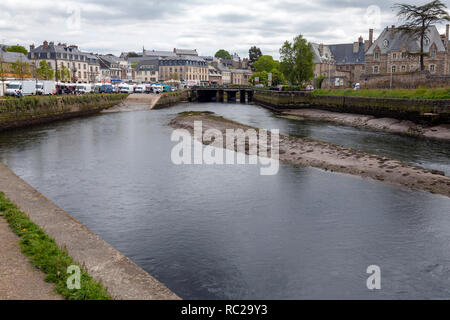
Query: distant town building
(240,76)
(147,71)
(183,68)
(350,59)
(224,71)
(93,68)
(7,60)
(395,51)
(61,55)
(185,52)
(112,68)
(215,77)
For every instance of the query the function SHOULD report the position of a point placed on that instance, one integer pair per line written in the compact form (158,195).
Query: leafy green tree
(253,54)
(266,63)
(419,18)
(20,68)
(262,76)
(277,77)
(297,62)
(44,71)
(64,74)
(18,48)
(223,54)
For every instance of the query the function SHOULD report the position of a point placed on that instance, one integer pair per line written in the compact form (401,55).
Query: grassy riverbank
(45,254)
(420,93)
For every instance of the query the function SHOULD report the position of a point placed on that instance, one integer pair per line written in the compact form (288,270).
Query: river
(225,232)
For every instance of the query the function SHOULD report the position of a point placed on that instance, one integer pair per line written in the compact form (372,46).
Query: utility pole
(1,67)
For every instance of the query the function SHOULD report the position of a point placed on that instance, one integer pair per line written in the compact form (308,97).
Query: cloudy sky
(113,26)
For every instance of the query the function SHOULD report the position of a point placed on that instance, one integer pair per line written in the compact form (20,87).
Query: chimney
(392,31)
(370,37)
(360,39)
(45,44)
(355,47)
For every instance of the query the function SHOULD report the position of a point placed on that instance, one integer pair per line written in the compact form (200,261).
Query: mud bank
(371,122)
(169,99)
(330,157)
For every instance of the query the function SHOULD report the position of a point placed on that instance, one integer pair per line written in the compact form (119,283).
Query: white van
(157,88)
(125,88)
(12,87)
(29,87)
(46,88)
(140,88)
(83,88)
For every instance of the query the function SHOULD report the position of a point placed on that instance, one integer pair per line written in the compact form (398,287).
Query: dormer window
(427,41)
(386,43)
(377,55)
(433,52)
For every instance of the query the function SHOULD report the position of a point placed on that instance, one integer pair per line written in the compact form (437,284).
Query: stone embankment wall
(16,113)
(169,99)
(420,111)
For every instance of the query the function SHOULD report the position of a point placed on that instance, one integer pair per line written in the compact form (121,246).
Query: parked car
(357,86)
(309,87)
(157,88)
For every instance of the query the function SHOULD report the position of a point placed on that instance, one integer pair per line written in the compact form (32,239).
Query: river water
(225,232)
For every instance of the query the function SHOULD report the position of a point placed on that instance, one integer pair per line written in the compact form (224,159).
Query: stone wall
(420,111)
(169,99)
(23,112)
(405,80)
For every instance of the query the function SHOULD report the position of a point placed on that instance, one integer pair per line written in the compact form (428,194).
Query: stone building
(240,76)
(112,68)
(183,68)
(61,55)
(215,77)
(396,52)
(147,71)
(93,68)
(350,60)
(7,59)
(224,71)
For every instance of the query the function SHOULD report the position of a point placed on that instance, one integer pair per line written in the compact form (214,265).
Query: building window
(394,56)
(404,55)
(393,69)
(403,68)
(386,43)
(433,53)
(432,68)
(377,55)
(375,69)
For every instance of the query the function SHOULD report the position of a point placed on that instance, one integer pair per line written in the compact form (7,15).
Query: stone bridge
(221,94)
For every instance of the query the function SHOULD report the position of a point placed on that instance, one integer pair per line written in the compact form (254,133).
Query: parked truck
(46,88)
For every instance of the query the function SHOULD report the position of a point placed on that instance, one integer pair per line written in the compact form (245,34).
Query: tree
(44,71)
(277,77)
(17,48)
(174,76)
(63,74)
(223,54)
(262,78)
(132,54)
(417,20)
(253,54)
(297,62)
(20,68)
(266,63)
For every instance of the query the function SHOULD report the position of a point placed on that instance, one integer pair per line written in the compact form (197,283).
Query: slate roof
(185,52)
(11,57)
(399,39)
(343,54)
(163,54)
(148,64)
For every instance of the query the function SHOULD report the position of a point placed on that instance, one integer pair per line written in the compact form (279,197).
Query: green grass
(45,254)
(421,93)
